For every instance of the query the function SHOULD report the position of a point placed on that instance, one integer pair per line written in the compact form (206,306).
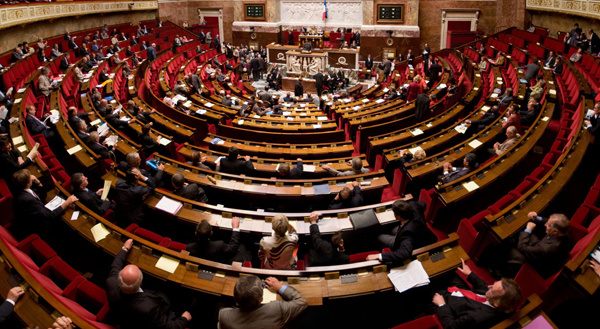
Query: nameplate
(332,275)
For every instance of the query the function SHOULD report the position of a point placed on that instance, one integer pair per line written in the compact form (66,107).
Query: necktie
(467,293)
(35,195)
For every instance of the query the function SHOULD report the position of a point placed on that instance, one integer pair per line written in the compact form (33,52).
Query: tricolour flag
(325,10)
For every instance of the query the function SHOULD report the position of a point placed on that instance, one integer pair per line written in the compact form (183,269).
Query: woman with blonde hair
(277,251)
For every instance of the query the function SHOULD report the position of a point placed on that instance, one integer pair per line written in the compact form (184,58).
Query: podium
(315,40)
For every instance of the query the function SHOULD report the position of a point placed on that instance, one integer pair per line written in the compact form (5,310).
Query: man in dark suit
(11,160)
(6,307)
(194,81)
(506,98)
(532,112)
(133,161)
(31,215)
(532,71)
(323,252)
(89,199)
(218,250)
(434,73)
(188,191)
(232,165)
(422,106)
(295,172)
(255,68)
(298,89)
(412,233)
(64,64)
(307,46)
(348,198)
(202,36)
(593,123)
(387,68)
(486,119)
(217,43)
(133,41)
(551,60)
(151,52)
(130,198)
(594,42)
(36,126)
(133,307)
(482,306)
(369,62)
(425,55)
(452,174)
(319,82)
(545,250)
(97,146)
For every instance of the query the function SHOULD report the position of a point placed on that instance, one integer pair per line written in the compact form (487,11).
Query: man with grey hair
(248,296)
(357,169)
(134,307)
(133,161)
(511,139)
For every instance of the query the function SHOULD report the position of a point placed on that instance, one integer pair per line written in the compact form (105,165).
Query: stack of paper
(55,203)
(164,141)
(169,205)
(408,276)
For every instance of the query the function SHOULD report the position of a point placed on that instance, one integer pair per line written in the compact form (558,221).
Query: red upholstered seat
(39,251)
(426,322)
(59,272)
(88,295)
(361,256)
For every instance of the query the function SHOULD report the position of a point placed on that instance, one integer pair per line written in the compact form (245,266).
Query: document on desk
(99,232)
(475,144)
(35,148)
(379,101)
(417,132)
(112,140)
(329,225)
(164,141)
(309,168)
(167,263)
(345,224)
(302,227)
(408,276)
(470,186)
(415,149)
(386,216)
(55,203)
(268,296)
(103,128)
(322,189)
(225,222)
(18,140)
(106,189)
(169,205)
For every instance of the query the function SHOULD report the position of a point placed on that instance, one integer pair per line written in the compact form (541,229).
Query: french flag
(325,10)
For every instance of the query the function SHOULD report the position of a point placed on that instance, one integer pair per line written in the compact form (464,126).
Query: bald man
(133,307)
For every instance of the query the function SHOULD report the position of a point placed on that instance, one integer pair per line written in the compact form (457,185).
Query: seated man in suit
(188,191)
(482,306)
(593,124)
(323,252)
(307,46)
(134,307)
(89,199)
(232,165)
(545,249)
(130,198)
(452,174)
(11,160)
(296,172)
(29,199)
(412,233)
(357,169)
(37,126)
(288,98)
(529,116)
(133,161)
(99,147)
(248,293)
(6,307)
(218,250)
(511,138)
(486,119)
(506,98)
(348,198)
(198,160)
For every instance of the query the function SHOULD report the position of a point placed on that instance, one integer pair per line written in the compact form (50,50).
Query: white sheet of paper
(169,205)
(322,118)
(18,140)
(268,296)
(107,184)
(75,215)
(309,168)
(209,104)
(164,141)
(55,203)
(74,149)
(475,144)
(417,132)
(415,149)
(167,263)
(99,232)
(408,276)
(22,148)
(316,126)
(386,216)
(470,186)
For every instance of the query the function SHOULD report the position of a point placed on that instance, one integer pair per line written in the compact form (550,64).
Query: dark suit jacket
(6,309)
(192,192)
(152,180)
(236,167)
(297,170)
(36,127)
(100,149)
(527,117)
(151,53)
(217,251)
(318,80)
(462,312)
(92,201)
(387,67)
(355,200)
(550,62)
(434,72)
(64,64)
(139,310)
(413,235)
(130,202)
(31,216)
(546,254)
(9,164)
(458,173)
(532,71)
(298,89)
(323,252)
(422,107)
(595,43)
(595,128)
(369,63)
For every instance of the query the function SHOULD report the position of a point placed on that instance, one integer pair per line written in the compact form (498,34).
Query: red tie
(35,195)
(468,294)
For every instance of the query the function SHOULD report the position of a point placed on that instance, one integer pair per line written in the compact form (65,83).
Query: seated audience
(277,251)
(11,160)
(451,174)
(323,252)
(514,119)
(411,233)
(593,124)
(188,191)
(296,172)
(482,306)
(92,200)
(198,160)
(357,169)
(487,118)
(407,157)
(133,161)
(134,307)
(348,198)
(218,250)
(130,198)
(232,165)
(511,139)
(248,294)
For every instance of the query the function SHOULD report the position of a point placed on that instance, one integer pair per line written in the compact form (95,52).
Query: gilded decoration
(586,8)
